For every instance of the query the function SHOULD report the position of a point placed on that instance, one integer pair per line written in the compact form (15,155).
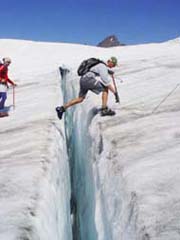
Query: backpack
(87,64)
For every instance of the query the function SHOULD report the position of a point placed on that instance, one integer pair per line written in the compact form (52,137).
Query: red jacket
(4,75)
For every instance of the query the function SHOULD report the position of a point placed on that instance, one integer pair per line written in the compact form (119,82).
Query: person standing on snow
(89,81)
(4,80)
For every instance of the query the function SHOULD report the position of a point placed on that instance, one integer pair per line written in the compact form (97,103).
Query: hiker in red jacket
(4,80)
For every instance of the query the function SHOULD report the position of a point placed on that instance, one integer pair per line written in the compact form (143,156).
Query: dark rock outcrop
(110,41)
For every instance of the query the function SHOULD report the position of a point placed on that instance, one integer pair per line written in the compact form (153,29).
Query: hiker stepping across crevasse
(89,70)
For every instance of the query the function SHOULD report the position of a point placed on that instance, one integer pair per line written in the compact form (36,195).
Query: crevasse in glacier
(79,152)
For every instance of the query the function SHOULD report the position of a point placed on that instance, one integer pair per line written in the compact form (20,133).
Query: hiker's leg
(60,110)
(104,98)
(3,97)
(105,110)
(73,102)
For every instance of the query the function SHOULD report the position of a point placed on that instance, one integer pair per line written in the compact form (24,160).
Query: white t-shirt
(102,71)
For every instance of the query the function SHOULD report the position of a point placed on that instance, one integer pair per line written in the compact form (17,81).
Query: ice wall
(136,155)
(126,169)
(34,169)
(77,122)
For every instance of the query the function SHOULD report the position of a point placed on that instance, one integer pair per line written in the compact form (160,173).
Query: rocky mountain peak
(110,41)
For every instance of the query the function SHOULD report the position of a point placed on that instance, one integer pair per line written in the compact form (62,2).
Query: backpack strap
(100,61)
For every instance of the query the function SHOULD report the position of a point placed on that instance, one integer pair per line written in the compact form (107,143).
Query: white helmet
(6,60)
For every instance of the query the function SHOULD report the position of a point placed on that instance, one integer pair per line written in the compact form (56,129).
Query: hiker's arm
(11,82)
(104,74)
(7,78)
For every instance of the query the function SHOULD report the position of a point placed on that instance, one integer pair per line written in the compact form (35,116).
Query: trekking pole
(13,97)
(115,87)
(164,99)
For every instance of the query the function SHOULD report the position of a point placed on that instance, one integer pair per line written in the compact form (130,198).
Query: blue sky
(90,21)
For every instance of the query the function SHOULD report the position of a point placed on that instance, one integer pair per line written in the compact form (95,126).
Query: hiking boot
(107,112)
(60,111)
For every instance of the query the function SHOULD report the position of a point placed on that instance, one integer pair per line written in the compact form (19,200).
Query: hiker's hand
(117,97)
(14,85)
(3,80)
